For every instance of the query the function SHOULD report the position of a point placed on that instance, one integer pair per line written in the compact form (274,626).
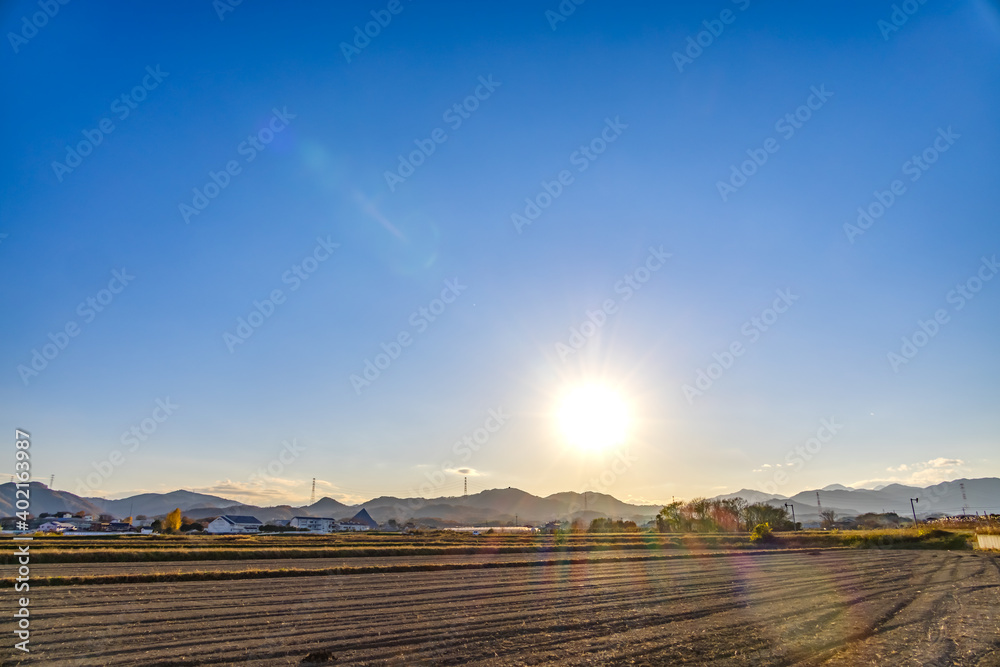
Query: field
(595,600)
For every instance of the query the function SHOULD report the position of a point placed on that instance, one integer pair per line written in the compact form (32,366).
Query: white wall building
(229,523)
(316,524)
(56,527)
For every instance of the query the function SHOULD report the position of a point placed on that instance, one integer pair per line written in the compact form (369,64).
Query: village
(80,523)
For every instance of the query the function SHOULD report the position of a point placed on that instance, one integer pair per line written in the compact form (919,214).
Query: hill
(510,504)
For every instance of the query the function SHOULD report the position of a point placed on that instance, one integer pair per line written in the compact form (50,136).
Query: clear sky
(682,173)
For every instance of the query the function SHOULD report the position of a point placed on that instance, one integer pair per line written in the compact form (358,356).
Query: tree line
(729,515)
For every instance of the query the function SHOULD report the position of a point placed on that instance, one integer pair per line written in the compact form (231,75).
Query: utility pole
(787,505)
(914,500)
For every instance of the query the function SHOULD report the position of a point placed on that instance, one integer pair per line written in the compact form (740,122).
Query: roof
(312,518)
(235,519)
(363,517)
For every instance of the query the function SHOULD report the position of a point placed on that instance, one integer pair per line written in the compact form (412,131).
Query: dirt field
(823,607)
(174,567)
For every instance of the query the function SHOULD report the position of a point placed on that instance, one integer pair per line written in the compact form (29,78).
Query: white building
(316,524)
(56,527)
(351,524)
(229,523)
(360,521)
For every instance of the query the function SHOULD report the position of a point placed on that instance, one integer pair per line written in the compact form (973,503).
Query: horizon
(571,253)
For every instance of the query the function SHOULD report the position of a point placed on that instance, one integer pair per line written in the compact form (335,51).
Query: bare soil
(843,607)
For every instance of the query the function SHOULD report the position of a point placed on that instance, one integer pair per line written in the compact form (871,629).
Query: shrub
(761,533)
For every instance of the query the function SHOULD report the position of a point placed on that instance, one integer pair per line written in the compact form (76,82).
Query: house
(316,524)
(56,527)
(360,521)
(119,527)
(229,523)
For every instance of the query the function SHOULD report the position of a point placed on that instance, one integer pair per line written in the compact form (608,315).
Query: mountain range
(502,505)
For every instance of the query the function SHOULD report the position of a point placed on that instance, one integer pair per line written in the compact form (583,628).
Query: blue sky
(259,418)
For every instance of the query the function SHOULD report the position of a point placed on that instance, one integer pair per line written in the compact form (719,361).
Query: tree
(603,525)
(105,518)
(775,517)
(173,521)
(828,518)
(669,519)
(80,514)
(141,517)
(735,510)
(157,526)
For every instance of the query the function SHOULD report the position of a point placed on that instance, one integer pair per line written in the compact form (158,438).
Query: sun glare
(593,418)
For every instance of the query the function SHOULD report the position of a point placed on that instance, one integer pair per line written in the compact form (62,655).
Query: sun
(593,417)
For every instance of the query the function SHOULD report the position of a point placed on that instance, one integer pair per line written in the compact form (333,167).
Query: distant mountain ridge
(493,505)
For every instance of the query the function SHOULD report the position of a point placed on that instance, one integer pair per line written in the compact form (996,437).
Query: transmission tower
(466,493)
(965,501)
(52,480)
(819,505)
(312,499)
